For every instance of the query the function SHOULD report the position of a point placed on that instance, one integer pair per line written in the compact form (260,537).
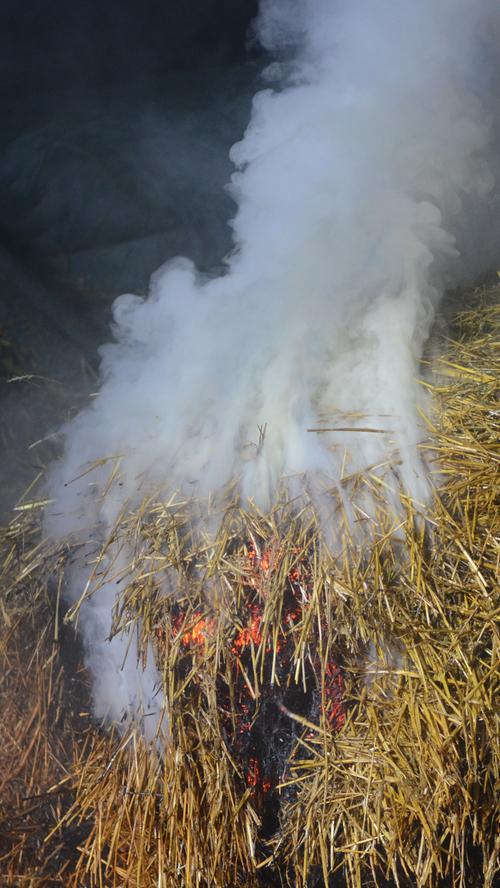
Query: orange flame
(250,633)
(198,633)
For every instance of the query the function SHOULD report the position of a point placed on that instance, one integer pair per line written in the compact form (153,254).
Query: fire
(198,633)
(250,633)
(255,722)
(254,779)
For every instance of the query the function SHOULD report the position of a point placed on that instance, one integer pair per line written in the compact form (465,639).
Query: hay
(403,787)
(40,733)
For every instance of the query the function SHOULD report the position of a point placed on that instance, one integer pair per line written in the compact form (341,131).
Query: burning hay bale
(332,717)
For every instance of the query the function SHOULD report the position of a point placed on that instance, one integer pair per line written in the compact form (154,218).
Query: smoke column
(367,169)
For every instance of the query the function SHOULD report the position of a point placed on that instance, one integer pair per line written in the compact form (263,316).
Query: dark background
(80,42)
(117,120)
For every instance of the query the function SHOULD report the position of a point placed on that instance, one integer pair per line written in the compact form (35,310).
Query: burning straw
(330,716)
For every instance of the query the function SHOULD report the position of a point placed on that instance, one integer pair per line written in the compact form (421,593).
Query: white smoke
(359,182)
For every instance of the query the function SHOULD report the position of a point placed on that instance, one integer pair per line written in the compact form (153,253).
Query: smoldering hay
(365,183)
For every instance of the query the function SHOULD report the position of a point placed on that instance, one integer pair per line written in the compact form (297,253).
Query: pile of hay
(399,788)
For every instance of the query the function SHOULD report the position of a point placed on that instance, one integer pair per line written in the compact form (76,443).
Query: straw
(403,786)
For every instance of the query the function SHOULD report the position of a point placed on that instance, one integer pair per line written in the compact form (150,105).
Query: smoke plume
(364,184)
